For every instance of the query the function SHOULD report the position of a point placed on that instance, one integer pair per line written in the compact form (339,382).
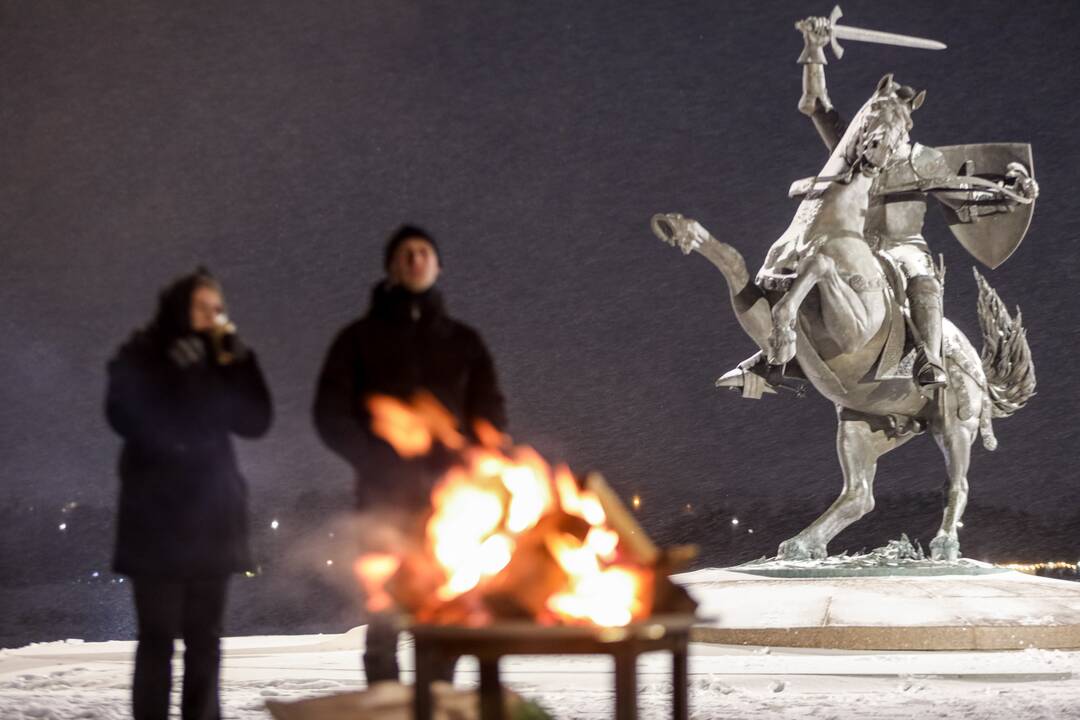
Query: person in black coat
(405,343)
(177,391)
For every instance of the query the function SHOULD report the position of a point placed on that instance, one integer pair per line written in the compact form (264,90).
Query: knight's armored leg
(924,298)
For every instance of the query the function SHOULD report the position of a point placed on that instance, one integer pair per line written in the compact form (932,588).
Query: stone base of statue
(899,604)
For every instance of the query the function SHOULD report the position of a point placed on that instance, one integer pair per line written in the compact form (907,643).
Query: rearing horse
(825,298)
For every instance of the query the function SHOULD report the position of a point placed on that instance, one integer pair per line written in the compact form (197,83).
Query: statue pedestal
(1001,610)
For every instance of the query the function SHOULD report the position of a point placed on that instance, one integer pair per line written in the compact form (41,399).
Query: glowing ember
(505,531)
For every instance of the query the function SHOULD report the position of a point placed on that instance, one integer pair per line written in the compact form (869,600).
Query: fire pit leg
(625,682)
(423,659)
(680,709)
(491,704)
(489,644)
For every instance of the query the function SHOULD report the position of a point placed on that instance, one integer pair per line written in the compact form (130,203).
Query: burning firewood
(533,575)
(510,537)
(640,547)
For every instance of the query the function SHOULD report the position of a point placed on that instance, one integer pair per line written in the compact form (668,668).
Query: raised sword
(847,32)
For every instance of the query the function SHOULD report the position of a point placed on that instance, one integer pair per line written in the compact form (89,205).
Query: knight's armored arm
(815,102)
(972,201)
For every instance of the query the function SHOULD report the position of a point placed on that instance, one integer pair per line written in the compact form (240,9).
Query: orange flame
(413,429)
(374,570)
(602,595)
(484,508)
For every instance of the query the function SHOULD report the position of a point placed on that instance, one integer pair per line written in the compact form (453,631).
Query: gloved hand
(816,32)
(226,344)
(1021,180)
(230,348)
(188,351)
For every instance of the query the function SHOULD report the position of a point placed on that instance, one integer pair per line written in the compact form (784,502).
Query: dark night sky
(279,142)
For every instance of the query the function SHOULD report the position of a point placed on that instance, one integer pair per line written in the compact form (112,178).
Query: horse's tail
(1006,360)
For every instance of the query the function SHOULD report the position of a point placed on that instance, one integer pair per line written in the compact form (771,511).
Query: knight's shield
(990,238)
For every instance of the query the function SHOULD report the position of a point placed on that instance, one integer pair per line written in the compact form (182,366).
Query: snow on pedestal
(998,611)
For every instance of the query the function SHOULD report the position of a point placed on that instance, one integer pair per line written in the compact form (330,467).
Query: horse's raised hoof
(782,344)
(798,549)
(945,549)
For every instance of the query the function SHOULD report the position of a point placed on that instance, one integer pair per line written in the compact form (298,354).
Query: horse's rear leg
(750,305)
(954,437)
(860,441)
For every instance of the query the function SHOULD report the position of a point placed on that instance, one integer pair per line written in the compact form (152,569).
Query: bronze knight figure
(849,297)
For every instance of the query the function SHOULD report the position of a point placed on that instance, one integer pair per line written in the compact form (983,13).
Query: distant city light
(329,562)
(689,507)
(1032,568)
(750,530)
(734,521)
(95,574)
(274,524)
(636,502)
(62,527)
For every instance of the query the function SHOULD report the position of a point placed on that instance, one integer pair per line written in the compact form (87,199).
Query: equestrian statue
(850,300)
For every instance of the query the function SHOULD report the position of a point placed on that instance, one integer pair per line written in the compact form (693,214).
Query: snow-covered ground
(91,680)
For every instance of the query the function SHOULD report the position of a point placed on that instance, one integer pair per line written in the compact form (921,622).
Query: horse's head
(881,126)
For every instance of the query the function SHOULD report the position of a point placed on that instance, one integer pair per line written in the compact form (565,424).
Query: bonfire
(510,537)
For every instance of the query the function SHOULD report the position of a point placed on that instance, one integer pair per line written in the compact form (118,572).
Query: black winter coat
(183,502)
(404,344)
